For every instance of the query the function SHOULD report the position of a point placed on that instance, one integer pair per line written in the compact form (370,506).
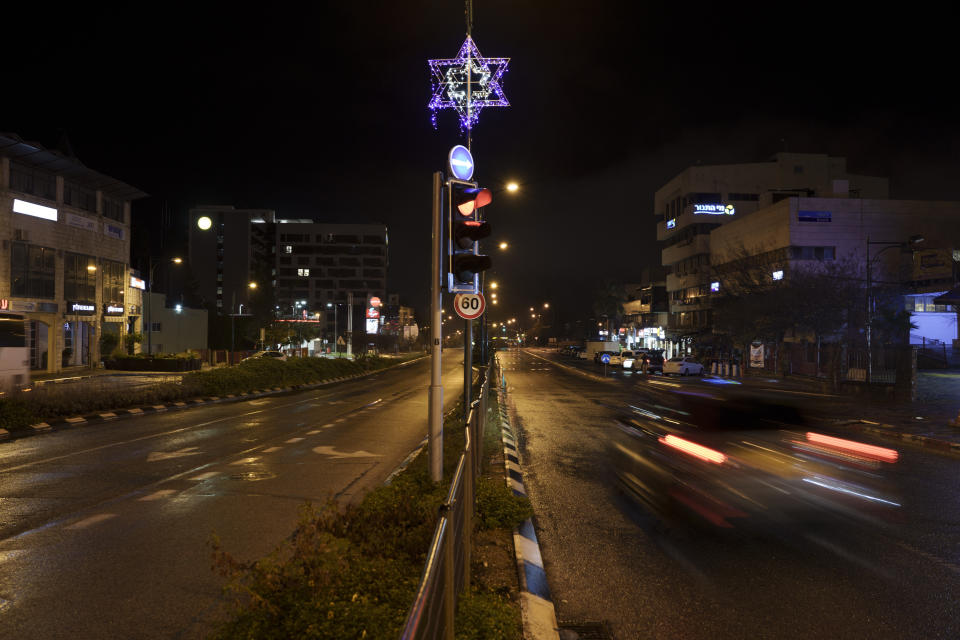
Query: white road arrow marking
(166,455)
(333,453)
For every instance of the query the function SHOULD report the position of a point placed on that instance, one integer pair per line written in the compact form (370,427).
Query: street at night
(479,319)
(612,563)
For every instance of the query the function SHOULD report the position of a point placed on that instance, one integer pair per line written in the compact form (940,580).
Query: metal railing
(446,572)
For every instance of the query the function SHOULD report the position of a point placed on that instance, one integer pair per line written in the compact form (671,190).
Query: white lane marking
(340,420)
(329,424)
(245,461)
(313,432)
(167,455)
(92,520)
(205,476)
(272,449)
(157,495)
(333,453)
(293,440)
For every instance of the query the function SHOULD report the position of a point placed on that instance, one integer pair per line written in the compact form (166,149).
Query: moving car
(684,366)
(632,359)
(734,459)
(278,355)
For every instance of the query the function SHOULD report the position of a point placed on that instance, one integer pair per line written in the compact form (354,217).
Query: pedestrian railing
(446,572)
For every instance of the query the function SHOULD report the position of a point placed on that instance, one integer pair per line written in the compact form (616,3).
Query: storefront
(79,333)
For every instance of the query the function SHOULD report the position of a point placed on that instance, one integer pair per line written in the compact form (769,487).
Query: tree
(608,302)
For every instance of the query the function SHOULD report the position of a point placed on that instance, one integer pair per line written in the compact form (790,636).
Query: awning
(950,297)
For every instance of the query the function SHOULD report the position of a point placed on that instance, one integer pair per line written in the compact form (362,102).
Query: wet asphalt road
(612,563)
(104,528)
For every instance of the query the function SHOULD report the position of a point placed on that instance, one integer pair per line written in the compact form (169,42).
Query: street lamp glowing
(546,305)
(177,260)
(204,223)
(513,187)
(503,246)
(493,285)
(252,285)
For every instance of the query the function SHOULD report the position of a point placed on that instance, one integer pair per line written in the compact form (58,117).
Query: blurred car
(616,359)
(740,459)
(277,355)
(684,366)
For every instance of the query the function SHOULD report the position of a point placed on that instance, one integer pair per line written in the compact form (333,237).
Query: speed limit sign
(469,306)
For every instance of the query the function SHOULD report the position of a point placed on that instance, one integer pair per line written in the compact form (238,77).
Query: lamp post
(336,345)
(150,267)
(912,240)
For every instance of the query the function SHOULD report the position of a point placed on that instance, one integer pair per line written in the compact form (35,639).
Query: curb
(890,431)
(100,417)
(536,606)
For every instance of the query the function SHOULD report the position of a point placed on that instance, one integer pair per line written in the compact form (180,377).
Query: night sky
(321,112)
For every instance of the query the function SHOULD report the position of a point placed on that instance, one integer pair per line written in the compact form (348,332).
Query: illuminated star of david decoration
(450,84)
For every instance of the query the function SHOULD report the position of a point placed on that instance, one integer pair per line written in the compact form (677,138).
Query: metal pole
(349,323)
(149,306)
(467,365)
(869,376)
(336,337)
(435,398)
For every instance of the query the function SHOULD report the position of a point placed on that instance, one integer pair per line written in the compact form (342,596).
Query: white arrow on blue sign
(461,162)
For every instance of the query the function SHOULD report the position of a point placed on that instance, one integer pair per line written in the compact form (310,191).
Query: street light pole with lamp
(913,240)
(150,269)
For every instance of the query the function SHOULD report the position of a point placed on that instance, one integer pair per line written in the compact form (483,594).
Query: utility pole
(435,411)
(349,324)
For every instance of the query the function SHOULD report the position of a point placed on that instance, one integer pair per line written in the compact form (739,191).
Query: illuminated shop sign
(35,210)
(112,231)
(113,309)
(81,307)
(671,223)
(713,209)
(80,222)
(372,325)
(137,283)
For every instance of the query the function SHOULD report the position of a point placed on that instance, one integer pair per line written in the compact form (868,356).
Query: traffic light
(465,229)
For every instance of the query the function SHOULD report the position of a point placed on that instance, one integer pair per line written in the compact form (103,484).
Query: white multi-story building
(64,252)
(701,199)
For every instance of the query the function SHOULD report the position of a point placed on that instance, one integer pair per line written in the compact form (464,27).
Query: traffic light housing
(465,228)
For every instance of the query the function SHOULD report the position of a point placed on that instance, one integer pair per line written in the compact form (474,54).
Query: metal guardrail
(446,572)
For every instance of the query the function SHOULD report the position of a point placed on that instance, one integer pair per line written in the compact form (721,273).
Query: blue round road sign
(461,162)
(605,358)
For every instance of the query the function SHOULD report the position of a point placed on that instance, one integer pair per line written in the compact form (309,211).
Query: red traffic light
(472,199)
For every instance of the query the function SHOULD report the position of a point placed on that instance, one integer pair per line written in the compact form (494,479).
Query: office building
(64,252)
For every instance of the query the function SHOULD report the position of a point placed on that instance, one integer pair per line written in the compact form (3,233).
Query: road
(104,528)
(612,565)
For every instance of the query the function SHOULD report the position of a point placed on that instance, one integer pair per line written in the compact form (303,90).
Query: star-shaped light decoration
(450,84)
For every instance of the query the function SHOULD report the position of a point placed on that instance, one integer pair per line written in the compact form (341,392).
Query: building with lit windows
(64,252)
(702,199)
(321,267)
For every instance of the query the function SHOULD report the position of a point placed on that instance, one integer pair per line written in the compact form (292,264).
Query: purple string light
(450,84)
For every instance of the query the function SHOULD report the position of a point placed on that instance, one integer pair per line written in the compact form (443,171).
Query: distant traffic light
(465,227)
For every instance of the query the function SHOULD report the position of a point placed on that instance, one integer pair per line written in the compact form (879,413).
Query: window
(798,168)
(113,284)
(288,249)
(80,197)
(79,277)
(746,197)
(32,271)
(26,179)
(714,286)
(113,209)
(303,272)
(156,326)
(813,253)
(372,240)
(777,275)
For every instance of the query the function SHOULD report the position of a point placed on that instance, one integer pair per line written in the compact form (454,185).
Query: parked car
(277,355)
(683,366)
(654,362)
(632,358)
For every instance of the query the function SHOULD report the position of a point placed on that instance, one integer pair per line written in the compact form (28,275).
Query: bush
(498,507)
(16,412)
(482,615)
